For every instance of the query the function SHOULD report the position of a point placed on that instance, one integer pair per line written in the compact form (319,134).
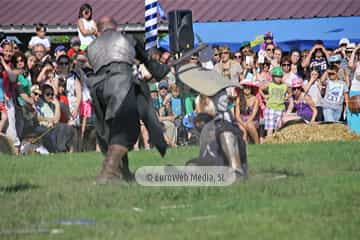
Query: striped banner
(151,29)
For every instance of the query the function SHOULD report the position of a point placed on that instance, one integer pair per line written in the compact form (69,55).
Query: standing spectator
(275,101)
(268,39)
(296,68)
(288,75)
(9,83)
(40,38)
(317,58)
(315,89)
(353,118)
(59,50)
(335,95)
(86,26)
(73,88)
(74,47)
(39,51)
(227,67)
(277,57)
(3,111)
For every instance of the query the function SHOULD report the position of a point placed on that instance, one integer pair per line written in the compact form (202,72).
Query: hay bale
(300,133)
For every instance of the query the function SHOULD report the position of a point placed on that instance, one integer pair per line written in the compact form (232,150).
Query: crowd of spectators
(45,101)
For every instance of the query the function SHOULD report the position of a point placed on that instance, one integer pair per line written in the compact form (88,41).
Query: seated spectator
(204,104)
(316,90)
(40,38)
(336,94)
(58,137)
(246,111)
(227,67)
(301,103)
(166,116)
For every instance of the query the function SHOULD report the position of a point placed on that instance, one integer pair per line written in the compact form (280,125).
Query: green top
(189,100)
(25,85)
(277,96)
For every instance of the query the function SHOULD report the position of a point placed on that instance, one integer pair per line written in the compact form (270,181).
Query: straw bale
(300,133)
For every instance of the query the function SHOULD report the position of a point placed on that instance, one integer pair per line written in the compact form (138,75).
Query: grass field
(318,199)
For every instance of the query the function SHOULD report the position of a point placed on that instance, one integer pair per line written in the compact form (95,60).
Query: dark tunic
(120,101)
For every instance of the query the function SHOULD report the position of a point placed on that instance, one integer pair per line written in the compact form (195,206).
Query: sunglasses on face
(296,88)
(237,56)
(225,52)
(63,63)
(270,49)
(49,94)
(331,73)
(286,64)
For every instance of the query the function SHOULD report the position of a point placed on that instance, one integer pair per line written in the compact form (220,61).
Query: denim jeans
(332,115)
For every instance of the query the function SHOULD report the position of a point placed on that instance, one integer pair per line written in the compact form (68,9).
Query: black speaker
(180,30)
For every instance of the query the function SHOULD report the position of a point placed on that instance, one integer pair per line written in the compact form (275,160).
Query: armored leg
(230,147)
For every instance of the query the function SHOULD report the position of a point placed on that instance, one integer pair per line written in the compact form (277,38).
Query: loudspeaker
(180,30)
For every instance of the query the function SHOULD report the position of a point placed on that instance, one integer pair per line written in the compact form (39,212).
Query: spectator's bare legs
(83,128)
(145,136)
(269,132)
(2,122)
(251,129)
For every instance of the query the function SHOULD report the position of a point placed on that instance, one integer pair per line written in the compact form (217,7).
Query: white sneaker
(42,150)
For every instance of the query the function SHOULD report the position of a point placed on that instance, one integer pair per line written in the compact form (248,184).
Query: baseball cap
(163,84)
(60,48)
(344,41)
(152,87)
(277,72)
(245,44)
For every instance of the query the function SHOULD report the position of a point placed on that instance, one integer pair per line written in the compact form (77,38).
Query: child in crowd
(64,102)
(86,26)
(301,103)
(335,94)
(40,37)
(176,101)
(275,101)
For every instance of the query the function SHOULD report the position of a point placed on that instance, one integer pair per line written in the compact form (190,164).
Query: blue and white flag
(151,29)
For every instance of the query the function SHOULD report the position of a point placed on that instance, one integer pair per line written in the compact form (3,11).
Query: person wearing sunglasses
(336,94)
(87,28)
(301,103)
(59,137)
(227,67)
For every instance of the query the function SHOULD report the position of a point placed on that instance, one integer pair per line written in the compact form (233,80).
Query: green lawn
(319,198)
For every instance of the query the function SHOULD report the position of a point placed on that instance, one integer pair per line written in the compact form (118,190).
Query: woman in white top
(86,26)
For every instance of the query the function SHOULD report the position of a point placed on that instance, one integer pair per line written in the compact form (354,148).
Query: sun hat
(248,82)
(277,72)
(297,82)
(35,89)
(344,41)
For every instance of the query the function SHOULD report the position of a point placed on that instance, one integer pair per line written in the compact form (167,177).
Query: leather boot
(112,164)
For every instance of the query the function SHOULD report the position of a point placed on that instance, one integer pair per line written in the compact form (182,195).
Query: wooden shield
(204,81)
